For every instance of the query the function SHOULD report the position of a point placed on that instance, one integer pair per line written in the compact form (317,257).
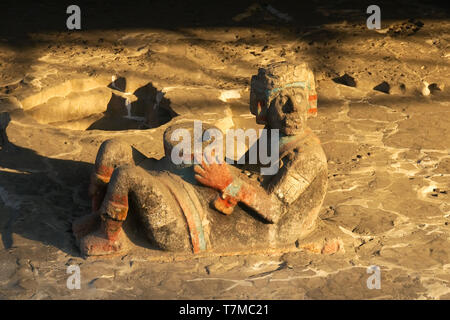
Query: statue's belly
(302,214)
(244,229)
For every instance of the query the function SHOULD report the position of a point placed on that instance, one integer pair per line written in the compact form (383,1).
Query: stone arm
(298,170)
(253,195)
(292,179)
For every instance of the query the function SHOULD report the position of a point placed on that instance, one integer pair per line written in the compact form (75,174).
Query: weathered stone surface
(384,164)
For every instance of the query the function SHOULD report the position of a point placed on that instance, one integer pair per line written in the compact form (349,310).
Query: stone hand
(225,204)
(213,174)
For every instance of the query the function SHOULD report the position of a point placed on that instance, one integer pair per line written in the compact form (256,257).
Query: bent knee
(130,176)
(114,152)
(114,144)
(126,171)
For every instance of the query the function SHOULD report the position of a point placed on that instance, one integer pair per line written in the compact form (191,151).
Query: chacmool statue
(210,205)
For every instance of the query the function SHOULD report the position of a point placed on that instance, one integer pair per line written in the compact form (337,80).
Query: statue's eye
(288,106)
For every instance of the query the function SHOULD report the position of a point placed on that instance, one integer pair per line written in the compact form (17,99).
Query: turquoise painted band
(297,84)
(197,221)
(233,188)
(199,227)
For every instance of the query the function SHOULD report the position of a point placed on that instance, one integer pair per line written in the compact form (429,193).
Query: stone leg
(111,154)
(155,205)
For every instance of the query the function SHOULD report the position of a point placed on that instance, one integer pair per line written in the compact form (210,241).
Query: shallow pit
(81,105)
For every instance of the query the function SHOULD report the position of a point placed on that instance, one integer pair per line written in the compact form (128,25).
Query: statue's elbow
(274,219)
(274,215)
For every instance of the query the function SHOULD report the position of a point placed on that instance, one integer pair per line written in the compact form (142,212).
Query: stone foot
(101,243)
(85,225)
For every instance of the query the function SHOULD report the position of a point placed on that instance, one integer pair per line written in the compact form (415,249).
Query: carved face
(288,111)
(276,78)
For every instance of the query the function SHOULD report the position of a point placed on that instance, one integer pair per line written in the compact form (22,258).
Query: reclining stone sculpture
(214,206)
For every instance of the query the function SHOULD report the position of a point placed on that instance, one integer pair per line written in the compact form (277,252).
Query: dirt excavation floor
(388,149)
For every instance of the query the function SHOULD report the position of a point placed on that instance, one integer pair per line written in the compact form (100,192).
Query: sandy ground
(388,153)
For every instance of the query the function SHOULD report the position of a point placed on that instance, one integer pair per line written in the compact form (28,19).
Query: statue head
(288,112)
(182,141)
(282,95)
